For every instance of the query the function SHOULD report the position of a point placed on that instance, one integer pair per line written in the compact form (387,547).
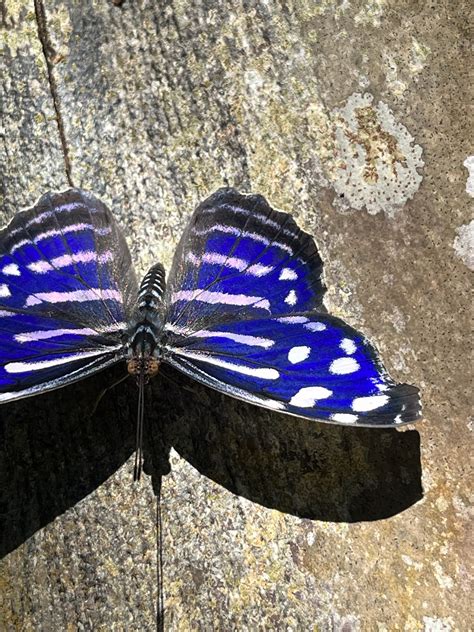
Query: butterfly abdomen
(152,288)
(144,335)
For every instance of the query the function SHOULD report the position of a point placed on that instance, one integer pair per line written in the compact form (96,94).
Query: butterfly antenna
(137,470)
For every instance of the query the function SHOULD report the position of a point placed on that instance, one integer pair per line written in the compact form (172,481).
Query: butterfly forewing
(245,316)
(239,258)
(67,290)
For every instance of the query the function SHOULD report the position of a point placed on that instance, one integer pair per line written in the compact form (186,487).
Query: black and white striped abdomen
(152,288)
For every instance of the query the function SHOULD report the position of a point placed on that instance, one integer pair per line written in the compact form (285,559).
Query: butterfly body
(242,311)
(144,351)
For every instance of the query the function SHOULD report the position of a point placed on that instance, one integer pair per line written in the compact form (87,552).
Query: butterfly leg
(104,391)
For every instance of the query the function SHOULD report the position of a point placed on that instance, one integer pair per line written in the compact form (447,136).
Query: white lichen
(469,164)
(463,244)
(435,624)
(377,163)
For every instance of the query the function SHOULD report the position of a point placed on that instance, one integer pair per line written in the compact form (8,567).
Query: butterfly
(242,311)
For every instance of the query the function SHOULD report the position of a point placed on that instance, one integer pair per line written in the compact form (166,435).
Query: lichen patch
(463,244)
(469,164)
(374,163)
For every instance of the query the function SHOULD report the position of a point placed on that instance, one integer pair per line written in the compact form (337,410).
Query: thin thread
(160,601)
(47,50)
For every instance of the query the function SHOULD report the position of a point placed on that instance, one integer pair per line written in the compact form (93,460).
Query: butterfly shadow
(54,452)
(308,469)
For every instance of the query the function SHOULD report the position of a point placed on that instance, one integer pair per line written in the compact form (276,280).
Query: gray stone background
(354,117)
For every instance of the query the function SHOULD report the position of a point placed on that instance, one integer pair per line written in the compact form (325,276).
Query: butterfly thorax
(144,352)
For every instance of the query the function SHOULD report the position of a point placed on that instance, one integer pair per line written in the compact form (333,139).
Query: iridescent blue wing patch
(245,316)
(67,289)
(240,258)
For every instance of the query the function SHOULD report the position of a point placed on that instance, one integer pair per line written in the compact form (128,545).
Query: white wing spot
(298,354)
(233,230)
(257,216)
(287,274)
(315,326)
(263,373)
(76,296)
(348,346)
(206,296)
(258,270)
(38,219)
(291,298)
(364,404)
(344,418)
(71,228)
(215,258)
(292,320)
(24,367)
(4,291)
(85,256)
(307,397)
(253,341)
(11,269)
(343,366)
(44,334)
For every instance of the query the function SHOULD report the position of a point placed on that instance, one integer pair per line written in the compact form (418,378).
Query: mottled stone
(30,150)
(269,522)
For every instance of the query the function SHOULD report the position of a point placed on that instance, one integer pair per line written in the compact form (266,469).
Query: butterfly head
(146,366)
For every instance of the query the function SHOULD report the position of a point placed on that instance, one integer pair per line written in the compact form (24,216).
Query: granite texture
(351,115)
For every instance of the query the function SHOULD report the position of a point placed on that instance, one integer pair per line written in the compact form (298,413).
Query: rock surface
(350,115)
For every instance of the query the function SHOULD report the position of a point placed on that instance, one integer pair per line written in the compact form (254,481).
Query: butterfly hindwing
(67,289)
(232,326)
(310,365)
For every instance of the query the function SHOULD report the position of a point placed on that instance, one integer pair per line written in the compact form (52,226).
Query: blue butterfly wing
(287,355)
(310,365)
(240,258)
(67,289)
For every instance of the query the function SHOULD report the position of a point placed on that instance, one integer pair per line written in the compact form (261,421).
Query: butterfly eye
(133,366)
(151,368)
